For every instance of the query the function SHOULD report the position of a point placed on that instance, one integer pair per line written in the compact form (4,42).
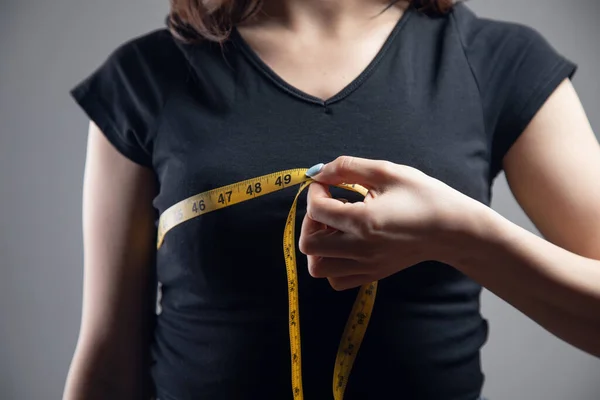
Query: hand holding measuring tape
(406,218)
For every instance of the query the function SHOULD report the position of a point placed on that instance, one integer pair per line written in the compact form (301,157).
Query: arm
(408,217)
(553,170)
(118,229)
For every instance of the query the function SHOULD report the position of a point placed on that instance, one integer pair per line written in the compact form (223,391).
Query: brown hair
(193,20)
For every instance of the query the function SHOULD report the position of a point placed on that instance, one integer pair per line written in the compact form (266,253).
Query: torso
(222,333)
(448,95)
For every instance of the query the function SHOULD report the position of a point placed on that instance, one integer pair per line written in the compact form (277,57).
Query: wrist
(470,235)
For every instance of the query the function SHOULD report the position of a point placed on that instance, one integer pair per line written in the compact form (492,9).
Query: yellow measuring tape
(229,195)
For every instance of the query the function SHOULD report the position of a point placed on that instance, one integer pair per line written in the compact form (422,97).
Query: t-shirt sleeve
(124,97)
(516,70)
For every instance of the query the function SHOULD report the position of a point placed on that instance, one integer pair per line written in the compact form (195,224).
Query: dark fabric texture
(447,95)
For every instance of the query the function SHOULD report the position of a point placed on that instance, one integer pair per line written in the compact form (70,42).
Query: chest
(229,128)
(239,122)
(442,135)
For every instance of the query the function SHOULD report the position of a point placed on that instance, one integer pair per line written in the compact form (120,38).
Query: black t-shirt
(447,95)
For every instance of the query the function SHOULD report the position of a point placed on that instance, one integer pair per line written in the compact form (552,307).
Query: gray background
(48,46)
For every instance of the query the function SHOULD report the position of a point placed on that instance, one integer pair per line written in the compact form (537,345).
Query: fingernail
(314,170)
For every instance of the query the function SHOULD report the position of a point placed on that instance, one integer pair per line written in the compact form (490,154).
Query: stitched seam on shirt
(487,129)
(161,115)
(536,93)
(112,125)
(464,50)
(548,78)
(160,120)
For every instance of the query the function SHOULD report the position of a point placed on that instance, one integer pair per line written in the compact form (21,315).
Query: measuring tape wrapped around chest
(229,195)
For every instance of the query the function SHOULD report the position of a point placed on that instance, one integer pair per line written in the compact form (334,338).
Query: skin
(320,46)
(119,246)
(552,283)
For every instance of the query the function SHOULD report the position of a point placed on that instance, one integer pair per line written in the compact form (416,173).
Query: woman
(446,98)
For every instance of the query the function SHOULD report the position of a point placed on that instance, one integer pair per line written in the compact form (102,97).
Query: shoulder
(494,37)
(505,54)
(516,70)
(126,94)
(138,74)
(155,44)
(155,53)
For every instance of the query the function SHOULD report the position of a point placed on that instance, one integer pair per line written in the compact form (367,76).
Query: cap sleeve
(516,70)
(124,97)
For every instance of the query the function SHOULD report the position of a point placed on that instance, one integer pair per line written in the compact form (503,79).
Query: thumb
(346,169)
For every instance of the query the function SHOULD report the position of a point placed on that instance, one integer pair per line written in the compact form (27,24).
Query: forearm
(558,289)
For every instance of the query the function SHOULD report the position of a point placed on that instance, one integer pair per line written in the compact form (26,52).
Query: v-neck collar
(263,68)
